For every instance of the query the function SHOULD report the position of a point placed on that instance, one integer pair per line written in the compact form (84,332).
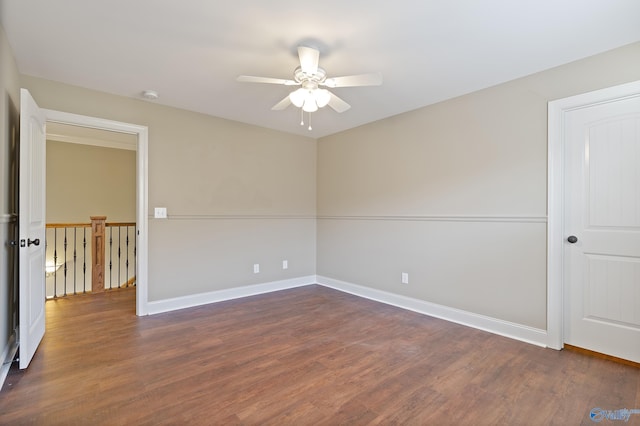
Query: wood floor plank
(305,356)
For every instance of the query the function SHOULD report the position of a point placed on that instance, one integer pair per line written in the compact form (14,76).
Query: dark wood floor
(309,355)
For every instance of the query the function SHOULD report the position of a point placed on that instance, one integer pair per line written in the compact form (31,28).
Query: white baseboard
(7,356)
(190,301)
(512,330)
(520,332)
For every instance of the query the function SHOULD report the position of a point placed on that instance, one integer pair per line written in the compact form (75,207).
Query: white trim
(442,218)
(142,191)
(142,219)
(502,219)
(190,301)
(91,141)
(238,217)
(7,356)
(512,330)
(555,197)
(555,227)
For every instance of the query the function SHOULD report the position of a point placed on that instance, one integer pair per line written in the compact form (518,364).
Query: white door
(32,227)
(602,228)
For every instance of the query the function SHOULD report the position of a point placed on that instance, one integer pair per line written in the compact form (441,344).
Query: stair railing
(90,257)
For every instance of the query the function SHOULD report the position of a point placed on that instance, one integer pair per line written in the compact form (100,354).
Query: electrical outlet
(256,268)
(405,278)
(285,264)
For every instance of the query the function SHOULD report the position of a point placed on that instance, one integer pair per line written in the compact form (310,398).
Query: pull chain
(301,117)
(310,122)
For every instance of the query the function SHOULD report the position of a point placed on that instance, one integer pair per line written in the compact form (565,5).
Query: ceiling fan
(311,95)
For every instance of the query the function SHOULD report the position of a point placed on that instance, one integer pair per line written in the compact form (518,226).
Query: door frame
(142,189)
(557,111)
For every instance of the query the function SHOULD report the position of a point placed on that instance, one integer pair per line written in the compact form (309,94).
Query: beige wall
(454,194)
(85,180)
(9,103)
(235,194)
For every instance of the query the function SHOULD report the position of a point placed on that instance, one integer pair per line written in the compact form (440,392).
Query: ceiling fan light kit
(309,76)
(310,99)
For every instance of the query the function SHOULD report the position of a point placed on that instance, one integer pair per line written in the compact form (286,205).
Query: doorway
(140,134)
(91,173)
(593,227)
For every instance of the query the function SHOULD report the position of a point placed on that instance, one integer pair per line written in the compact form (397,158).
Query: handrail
(119,224)
(68,225)
(86,225)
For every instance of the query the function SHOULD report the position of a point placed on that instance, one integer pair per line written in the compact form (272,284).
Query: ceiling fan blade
(282,104)
(309,58)
(254,79)
(372,79)
(338,104)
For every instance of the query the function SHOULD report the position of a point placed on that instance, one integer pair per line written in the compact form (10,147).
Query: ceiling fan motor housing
(316,78)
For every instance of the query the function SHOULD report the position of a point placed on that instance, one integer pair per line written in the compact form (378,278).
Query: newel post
(97,253)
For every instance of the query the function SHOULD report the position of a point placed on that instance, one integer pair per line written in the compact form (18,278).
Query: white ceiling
(191,51)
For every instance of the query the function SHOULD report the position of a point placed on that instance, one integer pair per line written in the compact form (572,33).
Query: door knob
(35,242)
(572,239)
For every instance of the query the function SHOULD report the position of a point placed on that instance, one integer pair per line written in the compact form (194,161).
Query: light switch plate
(160,213)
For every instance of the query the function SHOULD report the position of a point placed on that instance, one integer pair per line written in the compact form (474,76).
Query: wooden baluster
(97,253)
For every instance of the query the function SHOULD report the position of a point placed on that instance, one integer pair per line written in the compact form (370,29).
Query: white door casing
(594,194)
(31,217)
